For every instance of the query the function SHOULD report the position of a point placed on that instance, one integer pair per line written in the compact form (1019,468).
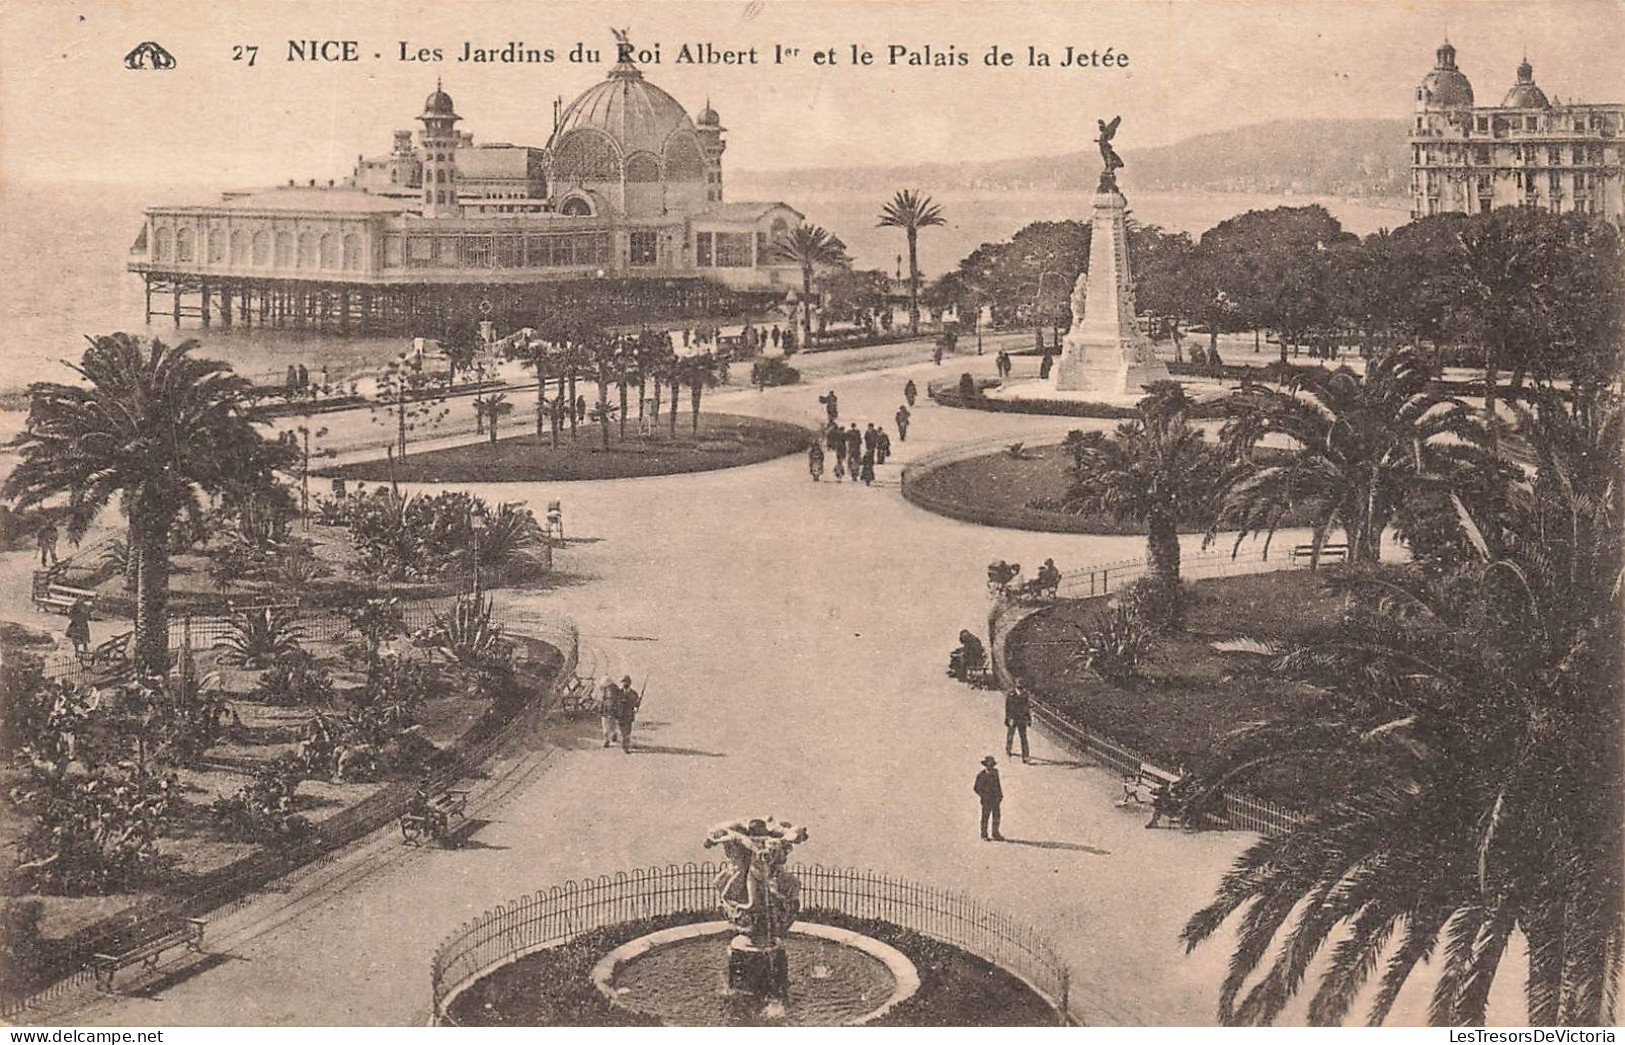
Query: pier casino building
(1528,151)
(623,208)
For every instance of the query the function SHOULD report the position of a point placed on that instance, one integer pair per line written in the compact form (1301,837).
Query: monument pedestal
(1105,353)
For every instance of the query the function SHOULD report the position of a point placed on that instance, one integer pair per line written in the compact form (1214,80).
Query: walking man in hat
(626,711)
(991,794)
(1018,715)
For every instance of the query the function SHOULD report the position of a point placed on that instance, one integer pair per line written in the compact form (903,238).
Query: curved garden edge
(233,882)
(1241,810)
(1024,519)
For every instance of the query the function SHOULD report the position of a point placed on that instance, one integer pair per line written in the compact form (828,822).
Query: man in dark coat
(854,450)
(902,424)
(1018,715)
(626,711)
(991,794)
(869,437)
(882,446)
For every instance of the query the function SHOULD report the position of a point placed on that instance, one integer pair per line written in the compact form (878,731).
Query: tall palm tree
(1476,725)
(911,212)
(1157,470)
(155,425)
(810,246)
(1360,444)
(536,354)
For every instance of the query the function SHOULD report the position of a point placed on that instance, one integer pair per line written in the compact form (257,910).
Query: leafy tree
(1361,445)
(93,833)
(1476,716)
(853,294)
(406,393)
(811,247)
(1157,470)
(155,425)
(910,211)
(460,343)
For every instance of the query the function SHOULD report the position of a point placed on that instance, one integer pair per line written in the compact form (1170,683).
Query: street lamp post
(476,524)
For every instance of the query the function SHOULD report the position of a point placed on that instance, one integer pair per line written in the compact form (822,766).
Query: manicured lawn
(999,489)
(1190,695)
(723,441)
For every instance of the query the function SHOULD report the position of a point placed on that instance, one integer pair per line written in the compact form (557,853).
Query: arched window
(163,245)
(329,250)
(217,246)
(352,251)
(439,196)
(642,167)
(183,245)
(586,156)
(262,247)
(307,250)
(440,177)
(683,160)
(284,250)
(239,247)
(576,207)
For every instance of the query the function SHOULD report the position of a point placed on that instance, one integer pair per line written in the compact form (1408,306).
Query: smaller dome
(1524,93)
(708,116)
(439,104)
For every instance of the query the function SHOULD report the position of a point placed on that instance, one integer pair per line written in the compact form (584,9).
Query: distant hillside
(1308,157)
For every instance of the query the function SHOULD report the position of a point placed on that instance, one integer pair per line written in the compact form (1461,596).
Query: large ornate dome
(636,114)
(1524,93)
(1446,87)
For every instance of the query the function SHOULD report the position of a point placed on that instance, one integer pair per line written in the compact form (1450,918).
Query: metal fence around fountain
(558,915)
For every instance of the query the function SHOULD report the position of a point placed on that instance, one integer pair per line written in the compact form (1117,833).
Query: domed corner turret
(1445,87)
(709,117)
(438,105)
(1524,93)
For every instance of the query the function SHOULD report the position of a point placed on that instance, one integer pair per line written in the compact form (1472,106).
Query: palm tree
(1476,725)
(698,372)
(1156,470)
(911,212)
(810,246)
(491,408)
(155,425)
(536,355)
(1360,444)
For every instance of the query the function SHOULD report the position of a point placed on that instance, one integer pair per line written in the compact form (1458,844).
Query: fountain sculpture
(761,900)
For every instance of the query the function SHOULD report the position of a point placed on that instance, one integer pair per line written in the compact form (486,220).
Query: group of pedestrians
(855,453)
(1002,365)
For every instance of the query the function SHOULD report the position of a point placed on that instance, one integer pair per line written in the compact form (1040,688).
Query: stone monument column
(1105,353)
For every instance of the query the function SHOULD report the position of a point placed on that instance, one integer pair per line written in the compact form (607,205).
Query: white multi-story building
(1528,151)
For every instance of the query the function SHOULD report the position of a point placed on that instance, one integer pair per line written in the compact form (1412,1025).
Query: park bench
(1328,553)
(431,822)
(148,953)
(52,594)
(579,696)
(113,653)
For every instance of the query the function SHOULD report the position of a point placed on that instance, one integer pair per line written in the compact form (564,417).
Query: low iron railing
(557,915)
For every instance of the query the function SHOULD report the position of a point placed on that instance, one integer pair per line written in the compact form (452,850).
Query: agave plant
(1115,646)
(467,635)
(257,638)
(511,535)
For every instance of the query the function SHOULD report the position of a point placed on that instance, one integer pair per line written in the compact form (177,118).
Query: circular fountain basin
(679,975)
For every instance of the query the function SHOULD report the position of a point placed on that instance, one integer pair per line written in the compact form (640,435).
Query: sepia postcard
(812,513)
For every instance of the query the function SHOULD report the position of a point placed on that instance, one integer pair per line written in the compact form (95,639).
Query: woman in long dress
(815,460)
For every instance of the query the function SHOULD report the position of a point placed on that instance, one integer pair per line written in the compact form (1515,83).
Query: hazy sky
(69,109)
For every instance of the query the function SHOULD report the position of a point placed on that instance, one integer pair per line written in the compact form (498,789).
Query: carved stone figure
(1108,155)
(760,898)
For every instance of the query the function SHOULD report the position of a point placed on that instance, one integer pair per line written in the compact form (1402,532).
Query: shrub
(1114,647)
(95,832)
(1157,602)
(22,945)
(257,638)
(24,706)
(511,537)
(295,680)
(773,371)
(378,621)
(392,699)
(262,810)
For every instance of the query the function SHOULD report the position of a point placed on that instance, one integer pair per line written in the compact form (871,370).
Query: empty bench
(52,595)
(189,932)
(1328,553)
(114,653)
(430,820)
